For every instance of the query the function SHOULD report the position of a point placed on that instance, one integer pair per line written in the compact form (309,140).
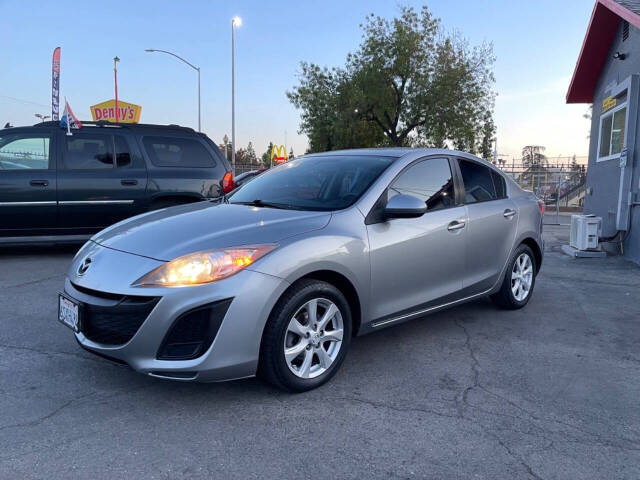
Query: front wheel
(519,280)
(306,337)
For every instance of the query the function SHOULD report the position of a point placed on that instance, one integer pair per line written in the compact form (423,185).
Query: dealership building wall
(611,189)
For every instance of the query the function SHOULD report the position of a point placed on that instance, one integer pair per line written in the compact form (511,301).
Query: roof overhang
(603,25)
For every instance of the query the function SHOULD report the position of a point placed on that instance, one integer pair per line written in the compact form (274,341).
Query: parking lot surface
(547,392)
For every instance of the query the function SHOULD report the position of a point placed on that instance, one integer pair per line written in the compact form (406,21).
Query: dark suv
(70,186)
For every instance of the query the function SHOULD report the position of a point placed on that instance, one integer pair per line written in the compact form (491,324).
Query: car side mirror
(404,206)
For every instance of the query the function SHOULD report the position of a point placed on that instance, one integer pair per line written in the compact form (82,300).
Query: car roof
(398,152)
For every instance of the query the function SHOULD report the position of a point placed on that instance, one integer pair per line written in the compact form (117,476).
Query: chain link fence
(560,186)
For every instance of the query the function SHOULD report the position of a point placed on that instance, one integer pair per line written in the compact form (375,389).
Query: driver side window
(429,180)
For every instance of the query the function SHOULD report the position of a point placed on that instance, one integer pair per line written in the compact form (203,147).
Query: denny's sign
(128,112)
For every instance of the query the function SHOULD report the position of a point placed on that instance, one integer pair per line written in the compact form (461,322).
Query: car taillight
(541,206)
(227,182)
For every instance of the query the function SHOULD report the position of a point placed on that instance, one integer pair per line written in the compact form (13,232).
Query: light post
(42,117)
(115,83)
(197,69)
(235,22)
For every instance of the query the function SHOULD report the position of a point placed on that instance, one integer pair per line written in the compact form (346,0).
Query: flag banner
(55,85)
(69,120)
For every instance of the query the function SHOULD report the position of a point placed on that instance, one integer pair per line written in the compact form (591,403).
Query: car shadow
(368,358)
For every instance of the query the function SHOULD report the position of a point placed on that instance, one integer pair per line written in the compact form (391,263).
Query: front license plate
(69,313)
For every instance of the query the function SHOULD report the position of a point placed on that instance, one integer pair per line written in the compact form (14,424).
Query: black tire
(273,366)
(504,298)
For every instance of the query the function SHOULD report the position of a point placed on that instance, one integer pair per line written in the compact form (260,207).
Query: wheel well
(343,284)
(537,253)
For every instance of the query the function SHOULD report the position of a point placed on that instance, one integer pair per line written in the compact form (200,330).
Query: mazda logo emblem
(84,266)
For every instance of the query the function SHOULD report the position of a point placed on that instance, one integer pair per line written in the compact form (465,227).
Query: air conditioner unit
(585,230)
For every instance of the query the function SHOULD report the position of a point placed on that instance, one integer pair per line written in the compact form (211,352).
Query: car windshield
(330,182)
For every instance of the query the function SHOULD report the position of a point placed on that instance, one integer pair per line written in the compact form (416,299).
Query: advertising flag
(55,85)
(69,120)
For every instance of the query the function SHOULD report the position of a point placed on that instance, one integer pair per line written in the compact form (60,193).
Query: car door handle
(508,213)
(39,183)
(456,225)
(129,182)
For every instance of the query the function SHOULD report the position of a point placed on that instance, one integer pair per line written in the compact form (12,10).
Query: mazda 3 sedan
(277,278)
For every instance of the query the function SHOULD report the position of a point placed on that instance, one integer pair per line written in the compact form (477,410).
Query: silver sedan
(276,279)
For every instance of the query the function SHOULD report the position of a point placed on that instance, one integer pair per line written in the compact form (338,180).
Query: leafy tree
(408,83)
(266,156)
(251,154)
(533,156)
(488,137)
(242,156)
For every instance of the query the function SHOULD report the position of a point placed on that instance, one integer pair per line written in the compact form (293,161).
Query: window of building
(177,152)
(612,132)
(625,30)
(19,152)
(428,180)
(89,152)
(478,182)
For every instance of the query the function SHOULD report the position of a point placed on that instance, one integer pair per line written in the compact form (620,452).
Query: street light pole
(235,21)
(197,69)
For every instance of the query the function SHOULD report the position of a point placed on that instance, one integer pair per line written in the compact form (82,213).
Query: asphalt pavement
(547,392)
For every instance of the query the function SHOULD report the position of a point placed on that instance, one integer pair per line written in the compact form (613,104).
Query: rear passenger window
(89,152)
(24,151)
(428,180)
(177,152)
(478,182)
(499,184)
(123,156)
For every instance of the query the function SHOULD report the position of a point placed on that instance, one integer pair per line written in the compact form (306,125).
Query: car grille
(114,324)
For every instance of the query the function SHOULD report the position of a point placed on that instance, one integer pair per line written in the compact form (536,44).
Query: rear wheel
(306,337)
(519,280)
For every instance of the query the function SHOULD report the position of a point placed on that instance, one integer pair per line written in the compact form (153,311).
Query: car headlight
(203,267)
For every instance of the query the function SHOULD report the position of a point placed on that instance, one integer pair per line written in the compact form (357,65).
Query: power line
(24,101)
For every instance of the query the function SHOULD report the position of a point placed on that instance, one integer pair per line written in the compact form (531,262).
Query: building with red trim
(607,75)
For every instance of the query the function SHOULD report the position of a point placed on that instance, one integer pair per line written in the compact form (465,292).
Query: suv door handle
(508,213)
(456,225)
(129,182)
(39,183)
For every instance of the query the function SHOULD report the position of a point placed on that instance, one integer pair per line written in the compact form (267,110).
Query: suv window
(177,152)
(20,151)
(429,180)
(89,152)
(478,182)
(123,156)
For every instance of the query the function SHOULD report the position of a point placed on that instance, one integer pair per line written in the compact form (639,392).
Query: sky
(536,44)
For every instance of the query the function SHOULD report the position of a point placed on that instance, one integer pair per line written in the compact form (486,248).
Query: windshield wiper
(261,203)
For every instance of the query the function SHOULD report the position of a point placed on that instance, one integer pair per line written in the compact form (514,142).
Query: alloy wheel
(522,277)
(313,338)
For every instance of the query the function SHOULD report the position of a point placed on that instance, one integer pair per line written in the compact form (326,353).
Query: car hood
(172,232)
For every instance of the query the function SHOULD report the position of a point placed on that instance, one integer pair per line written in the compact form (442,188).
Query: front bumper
(235,349)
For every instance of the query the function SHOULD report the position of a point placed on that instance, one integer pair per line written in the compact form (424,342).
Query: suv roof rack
(104,123)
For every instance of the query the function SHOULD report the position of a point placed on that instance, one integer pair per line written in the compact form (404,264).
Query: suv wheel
(519,280)
(306,337)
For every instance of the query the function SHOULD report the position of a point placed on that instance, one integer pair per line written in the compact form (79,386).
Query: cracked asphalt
(548,392)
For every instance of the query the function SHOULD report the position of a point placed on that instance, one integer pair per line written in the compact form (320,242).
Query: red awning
(602,27)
